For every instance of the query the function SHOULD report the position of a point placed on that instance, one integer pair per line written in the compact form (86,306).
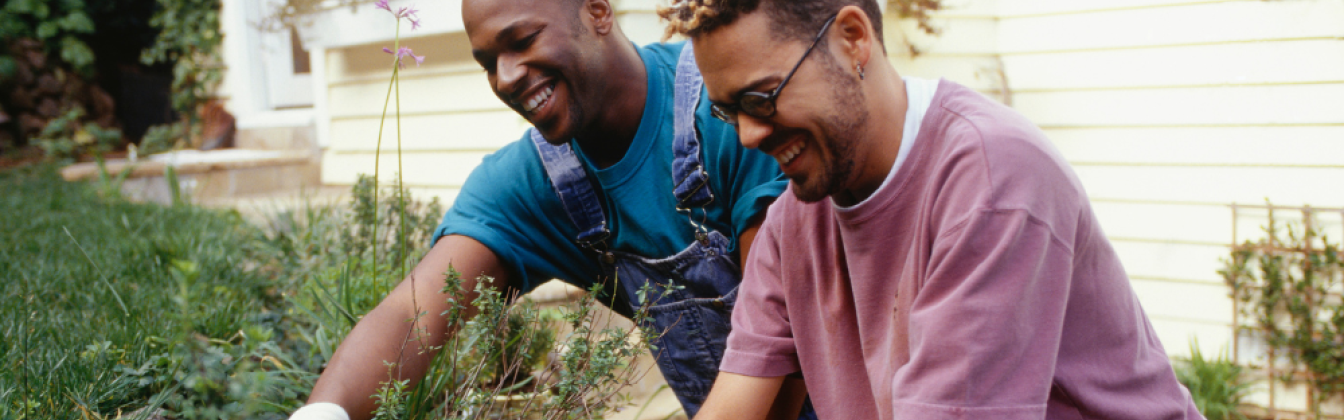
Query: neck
(624,89)
(880,140)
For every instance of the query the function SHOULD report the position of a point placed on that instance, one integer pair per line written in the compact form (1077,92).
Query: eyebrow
(502,38)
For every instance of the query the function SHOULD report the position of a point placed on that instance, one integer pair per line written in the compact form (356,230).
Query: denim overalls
(696,317)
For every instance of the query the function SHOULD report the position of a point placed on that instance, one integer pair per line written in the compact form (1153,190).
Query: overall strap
(689,178)
(570,181)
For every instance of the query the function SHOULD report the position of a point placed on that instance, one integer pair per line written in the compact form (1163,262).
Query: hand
(320,411)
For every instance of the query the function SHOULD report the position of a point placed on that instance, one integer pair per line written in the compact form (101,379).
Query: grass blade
(101,275)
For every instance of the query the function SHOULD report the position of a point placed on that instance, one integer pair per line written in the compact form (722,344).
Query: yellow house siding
(1170,24)
(1171,110)
(1168,111)
(965,49)
(450,119)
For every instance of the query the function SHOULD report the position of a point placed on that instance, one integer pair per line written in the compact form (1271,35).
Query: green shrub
(64,138)
(1217,385)
(57,24)
(190,39)
(506,361)
(164,137)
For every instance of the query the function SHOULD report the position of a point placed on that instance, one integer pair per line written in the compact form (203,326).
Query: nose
(751,131)
(509,75)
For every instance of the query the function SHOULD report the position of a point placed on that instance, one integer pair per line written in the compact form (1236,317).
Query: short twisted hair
(789,19)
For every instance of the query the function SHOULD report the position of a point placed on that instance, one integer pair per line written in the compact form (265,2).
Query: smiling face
(540,56)
(819,114)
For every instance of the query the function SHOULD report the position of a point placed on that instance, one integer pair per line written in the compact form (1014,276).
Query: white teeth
(788,155)
(538,99)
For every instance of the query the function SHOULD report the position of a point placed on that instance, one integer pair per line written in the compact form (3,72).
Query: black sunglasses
(758,104)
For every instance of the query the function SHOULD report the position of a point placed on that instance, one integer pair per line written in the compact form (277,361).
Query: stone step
(276,138)
(210,175)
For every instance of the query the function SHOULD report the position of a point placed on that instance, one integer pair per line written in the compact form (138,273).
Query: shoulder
(664,51)
(1014,152)
(662,56)
(514,170)
(516,154)
(999,152)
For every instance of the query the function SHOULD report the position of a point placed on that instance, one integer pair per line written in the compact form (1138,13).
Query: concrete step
(276,138)
(210,175)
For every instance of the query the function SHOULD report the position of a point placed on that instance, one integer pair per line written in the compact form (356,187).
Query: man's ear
(603,15)
(854,37)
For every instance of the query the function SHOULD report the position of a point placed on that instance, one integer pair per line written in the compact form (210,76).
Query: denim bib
(696,317)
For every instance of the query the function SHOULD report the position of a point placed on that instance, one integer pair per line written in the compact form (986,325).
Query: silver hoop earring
(859,68)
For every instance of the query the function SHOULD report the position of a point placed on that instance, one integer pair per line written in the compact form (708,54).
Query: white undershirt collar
(919,96)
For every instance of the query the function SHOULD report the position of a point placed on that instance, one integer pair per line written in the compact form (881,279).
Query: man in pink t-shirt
(934,257)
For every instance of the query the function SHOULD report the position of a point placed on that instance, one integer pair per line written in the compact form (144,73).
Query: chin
(561,130)
(808,192)
(554,133)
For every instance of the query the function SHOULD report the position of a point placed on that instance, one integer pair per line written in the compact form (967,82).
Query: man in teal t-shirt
(587,195)
(509,205)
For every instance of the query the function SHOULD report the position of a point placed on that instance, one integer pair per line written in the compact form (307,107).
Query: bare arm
(387,333)
(740,397)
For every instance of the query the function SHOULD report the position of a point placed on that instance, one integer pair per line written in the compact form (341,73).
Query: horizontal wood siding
(1168,110)
(450,119)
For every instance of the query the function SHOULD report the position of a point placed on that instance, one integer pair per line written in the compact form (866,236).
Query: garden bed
(113,307)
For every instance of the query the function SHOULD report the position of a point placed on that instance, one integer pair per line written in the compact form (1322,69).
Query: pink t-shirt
(975,284)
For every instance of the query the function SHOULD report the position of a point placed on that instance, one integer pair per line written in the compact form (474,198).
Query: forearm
(789,403)
(403,328)
(383,345)
(740,397)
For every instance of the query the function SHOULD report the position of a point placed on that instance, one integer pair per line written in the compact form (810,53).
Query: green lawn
(107,304)
(109,307)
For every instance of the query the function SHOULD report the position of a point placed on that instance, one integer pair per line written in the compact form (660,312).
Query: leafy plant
(190,39)
(1217,385)
(1287,286)
(388,230)
(56,24)
(64,138)
(164,137)
(493,366)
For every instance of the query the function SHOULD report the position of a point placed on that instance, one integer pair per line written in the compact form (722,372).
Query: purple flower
(405,52)
(406,12)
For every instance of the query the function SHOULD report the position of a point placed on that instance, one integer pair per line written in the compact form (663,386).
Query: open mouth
(785,157)
(538,100)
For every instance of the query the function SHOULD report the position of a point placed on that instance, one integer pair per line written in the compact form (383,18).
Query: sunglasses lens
(722,114)
(758,106)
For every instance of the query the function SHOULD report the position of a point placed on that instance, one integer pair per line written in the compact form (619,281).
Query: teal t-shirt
(508,203)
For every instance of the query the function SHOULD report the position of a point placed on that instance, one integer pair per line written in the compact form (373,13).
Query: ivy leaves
(56,24)
(189,38)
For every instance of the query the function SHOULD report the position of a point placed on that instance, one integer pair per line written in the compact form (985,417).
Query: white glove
(320,411)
